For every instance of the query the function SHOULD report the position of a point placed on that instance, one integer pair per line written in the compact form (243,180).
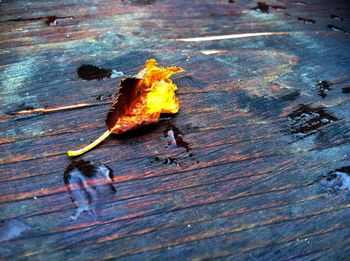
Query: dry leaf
(140,101)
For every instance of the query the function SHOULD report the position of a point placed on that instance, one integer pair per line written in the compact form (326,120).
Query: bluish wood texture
(252,189)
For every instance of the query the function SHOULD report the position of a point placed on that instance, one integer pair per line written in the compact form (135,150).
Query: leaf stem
(73,153)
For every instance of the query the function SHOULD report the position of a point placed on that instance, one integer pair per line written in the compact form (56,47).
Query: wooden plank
(249,97)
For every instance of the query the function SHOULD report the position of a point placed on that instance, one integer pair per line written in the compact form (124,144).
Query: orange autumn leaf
(140,101)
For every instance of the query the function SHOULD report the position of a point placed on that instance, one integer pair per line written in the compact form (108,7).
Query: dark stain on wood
(90,72)
(25,19)
(323,87)
(291,96)
(337,17)
(140,2)
(104,97)
(189,80)
(307,120)
(174,137)
(307,20)
(337,28)
(262,105)
(49,20)
(263,7)
(60,21)
(345,90)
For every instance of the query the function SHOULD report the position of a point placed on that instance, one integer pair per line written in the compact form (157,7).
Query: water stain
(306,20)
(178,161)
(299,3)
(168,161)
(291,96)
(306,120)
(12,229)
(345,90)
(323,87)
(99,98)
(104,97)
(263,7)
(175,138)
(178,152)
(89,186)
(90,72)
(336,17)
(337,180)
(60,21)
(259,104)
(188,80)
(21,107)
(336,28)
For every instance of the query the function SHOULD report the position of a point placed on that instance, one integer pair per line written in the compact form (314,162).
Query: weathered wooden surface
(252,189)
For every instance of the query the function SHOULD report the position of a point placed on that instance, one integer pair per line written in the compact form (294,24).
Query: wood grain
(251,188)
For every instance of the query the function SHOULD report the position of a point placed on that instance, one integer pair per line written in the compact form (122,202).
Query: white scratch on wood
(207,52)
(228,36)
